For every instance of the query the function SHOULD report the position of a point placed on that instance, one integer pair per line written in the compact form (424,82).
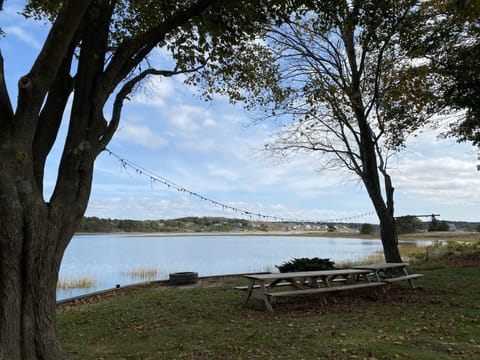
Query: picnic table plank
(383,272)
(400,278)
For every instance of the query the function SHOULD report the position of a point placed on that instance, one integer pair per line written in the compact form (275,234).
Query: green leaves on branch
(447,33)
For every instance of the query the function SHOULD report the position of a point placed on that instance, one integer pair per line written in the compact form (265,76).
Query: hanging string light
(155,178)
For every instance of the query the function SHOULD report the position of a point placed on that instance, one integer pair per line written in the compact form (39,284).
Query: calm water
(111,258)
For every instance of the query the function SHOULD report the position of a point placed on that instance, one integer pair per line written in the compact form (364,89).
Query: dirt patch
(455,259)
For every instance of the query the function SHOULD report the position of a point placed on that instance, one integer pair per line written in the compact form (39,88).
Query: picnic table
(390,272)
(267,287)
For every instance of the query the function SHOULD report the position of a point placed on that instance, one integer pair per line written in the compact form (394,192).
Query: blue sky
(212,149)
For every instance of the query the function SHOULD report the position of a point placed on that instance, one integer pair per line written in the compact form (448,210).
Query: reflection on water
(119,259)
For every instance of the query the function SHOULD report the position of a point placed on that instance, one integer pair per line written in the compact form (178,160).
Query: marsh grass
(76,283)
(376,257)
(142,273)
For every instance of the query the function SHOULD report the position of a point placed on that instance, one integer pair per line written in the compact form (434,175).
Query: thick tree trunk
(30,258)
(388,235)
(28,327)
(388,232)
(383,207)
(33,238)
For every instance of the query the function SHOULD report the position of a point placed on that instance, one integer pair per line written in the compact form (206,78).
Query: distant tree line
(405,225)
(187,224)
(411,224)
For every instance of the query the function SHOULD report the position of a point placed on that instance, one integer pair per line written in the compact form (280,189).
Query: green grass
(440,320)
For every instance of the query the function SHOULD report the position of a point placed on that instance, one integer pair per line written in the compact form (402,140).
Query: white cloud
(155,91)
(189,118)
(444,180)
(209,122)
(226,173)
(199,145)
(141,135)
(24,36)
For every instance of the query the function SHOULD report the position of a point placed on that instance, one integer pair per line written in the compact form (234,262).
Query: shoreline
(425,236)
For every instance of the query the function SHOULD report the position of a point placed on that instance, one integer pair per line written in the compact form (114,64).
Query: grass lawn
(439,320)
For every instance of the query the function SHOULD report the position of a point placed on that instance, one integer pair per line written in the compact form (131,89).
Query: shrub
(306,264)
(366,229)
(408,224)
(438,226)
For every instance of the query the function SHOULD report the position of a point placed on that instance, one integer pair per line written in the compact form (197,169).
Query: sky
(214,149)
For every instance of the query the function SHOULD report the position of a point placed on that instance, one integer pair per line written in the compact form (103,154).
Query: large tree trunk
(32,244)
(388,233)
(370,175)
(28,264)
(33,238)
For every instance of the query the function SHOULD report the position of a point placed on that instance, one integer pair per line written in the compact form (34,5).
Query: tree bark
(389,238)
(388,233)
(370,177)
(33,238)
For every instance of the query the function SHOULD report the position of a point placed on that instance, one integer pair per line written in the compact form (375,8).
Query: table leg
(326,281)
(314,282)
(249,290)
(410,281)
(362,278)
(266,298)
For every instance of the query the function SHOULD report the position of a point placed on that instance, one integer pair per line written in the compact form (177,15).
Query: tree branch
(34,86)
(122,95)
(51,117)
(6,110)
(86,118)
(132,51)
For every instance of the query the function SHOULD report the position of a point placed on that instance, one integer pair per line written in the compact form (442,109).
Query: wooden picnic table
(269,286)
(390,272)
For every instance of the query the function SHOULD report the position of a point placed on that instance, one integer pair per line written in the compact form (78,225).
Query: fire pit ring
(183,278)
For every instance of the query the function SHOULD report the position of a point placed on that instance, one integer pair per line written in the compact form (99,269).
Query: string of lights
(155,178)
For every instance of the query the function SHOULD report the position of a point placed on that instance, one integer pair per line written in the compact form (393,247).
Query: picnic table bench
(267,287)
(390,272)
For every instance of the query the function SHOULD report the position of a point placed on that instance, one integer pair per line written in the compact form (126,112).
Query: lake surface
(111,259)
